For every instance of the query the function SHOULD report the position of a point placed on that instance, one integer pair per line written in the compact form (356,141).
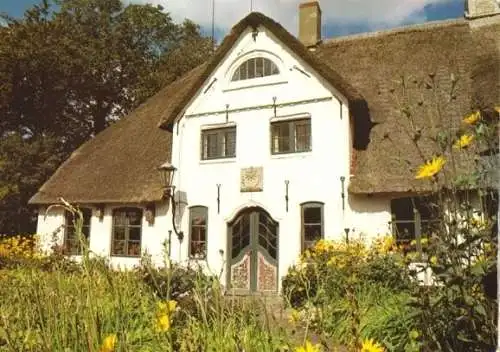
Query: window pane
(135,217)
(236,75)
(118,248)
(134,233)
(120,218)
(230,143)
(211,145)
(199,220)
(259,67)
(402,209)
(134,248)
(267,67)
(198,232)
(198,250)
(281,137)
(86,232)
(303,135)
(312,215)
(312,232)
(274,69)
(308,244)
(244,71)
(87,216)
(251,69)
(119,233)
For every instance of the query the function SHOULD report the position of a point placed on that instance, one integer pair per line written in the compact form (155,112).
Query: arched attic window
(255,68)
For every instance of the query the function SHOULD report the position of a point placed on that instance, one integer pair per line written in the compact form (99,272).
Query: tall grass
(90,307)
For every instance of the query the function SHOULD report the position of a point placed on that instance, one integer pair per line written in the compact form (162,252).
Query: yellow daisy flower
(431,168)
(308,347)
(472,118)
(433,260)
(109,343)
(163,323)
(167,307)
(371,346)
(464,141)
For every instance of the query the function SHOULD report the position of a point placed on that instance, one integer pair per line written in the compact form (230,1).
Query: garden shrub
(324,269)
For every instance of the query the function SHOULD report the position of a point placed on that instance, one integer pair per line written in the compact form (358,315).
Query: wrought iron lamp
(167,171)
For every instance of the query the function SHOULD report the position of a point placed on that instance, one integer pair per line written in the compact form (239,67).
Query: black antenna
(213,25)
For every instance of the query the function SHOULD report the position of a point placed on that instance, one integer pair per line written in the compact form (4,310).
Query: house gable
(251,23)
(294,82)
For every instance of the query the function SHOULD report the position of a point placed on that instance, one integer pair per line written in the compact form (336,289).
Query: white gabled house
(277,142)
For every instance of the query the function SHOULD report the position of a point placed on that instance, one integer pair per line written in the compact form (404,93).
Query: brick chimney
(309,23)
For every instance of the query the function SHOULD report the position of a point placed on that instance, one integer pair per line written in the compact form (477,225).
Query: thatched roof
(432,60)
(119,165)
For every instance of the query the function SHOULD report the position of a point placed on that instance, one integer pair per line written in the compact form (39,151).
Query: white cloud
(373,13)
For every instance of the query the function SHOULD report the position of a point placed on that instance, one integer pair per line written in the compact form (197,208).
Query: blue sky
(340,17)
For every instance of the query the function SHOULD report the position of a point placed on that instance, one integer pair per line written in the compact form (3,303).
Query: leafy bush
(323,270)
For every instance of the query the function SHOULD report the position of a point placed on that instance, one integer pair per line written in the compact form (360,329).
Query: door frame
(254,246)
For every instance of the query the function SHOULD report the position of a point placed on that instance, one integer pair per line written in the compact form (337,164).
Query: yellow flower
(109,343)
(163,323)
(308,347)
(472,118)
(431,168)
(294,316)
(464,141)
(167,307)
(371,346)
(433,260)
(164,315)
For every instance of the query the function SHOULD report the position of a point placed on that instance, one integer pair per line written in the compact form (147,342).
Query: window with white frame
(127,232)
(413,220)
(198,219)
(76,231)
(218,143)
(291,136)
(312,224)
(255,68)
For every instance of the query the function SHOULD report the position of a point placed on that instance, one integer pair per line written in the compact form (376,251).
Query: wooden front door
(253,252)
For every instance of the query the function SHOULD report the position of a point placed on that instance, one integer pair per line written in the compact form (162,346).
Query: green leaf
(479,309)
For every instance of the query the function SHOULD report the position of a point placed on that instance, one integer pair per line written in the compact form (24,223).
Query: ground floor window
(73,245)
(198,232)
(413,220)
(126,233)
(312,223)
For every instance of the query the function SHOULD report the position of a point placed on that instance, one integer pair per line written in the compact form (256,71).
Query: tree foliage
(68,71)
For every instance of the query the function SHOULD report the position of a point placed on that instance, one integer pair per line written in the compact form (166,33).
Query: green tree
(66,73)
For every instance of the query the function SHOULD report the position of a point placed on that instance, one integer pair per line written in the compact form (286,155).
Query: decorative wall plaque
(252,179)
